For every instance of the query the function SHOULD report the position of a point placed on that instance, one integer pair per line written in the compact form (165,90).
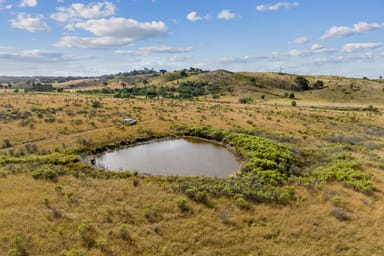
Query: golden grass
(47,215)
(305,227)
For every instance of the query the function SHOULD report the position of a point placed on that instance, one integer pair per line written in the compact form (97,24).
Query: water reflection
(180,157)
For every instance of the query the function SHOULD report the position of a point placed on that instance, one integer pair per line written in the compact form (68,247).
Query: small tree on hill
(318,85)
(302,83)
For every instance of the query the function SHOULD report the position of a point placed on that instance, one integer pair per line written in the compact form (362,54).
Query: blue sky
(65,37)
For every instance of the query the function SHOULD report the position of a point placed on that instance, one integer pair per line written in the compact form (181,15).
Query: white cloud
(111,32)
(91,42)
(192,16)
(5,6)
(296,53)
(226,15)
(34,55)
(30,23)
(155,50)
(121,28)
(351,47)
(28,3)
(316,47)
(343,31)
(277,6)
(301,40)
(165,49)
(81,11)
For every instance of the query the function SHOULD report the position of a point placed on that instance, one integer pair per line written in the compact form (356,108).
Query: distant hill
(250,84)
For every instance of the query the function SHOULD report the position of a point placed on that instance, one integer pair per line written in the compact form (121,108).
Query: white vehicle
(129,121)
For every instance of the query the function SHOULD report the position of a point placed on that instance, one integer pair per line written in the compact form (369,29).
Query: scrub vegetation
(310,183)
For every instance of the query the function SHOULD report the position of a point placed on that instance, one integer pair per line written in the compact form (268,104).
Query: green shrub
(182,204)
(152,215)
(123,232)
(48,173)
(265,176)
(348,173)
(196,195)
(245,100)
(6,143)
(87,233)
(19,247)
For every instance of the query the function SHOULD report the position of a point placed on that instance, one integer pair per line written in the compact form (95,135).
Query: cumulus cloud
(226,15)
(121,28)
(276,6)
(81,11)
(352,47)
(28,3)
(343,31)
(301,40)
(111,32)
(193,16)
(30,23)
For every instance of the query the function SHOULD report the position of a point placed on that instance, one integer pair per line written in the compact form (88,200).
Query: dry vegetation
(76,214)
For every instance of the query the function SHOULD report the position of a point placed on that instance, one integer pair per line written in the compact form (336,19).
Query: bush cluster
(185,90)
(264,176)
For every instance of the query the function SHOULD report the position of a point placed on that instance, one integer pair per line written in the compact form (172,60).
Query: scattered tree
(302,83)
(318,84)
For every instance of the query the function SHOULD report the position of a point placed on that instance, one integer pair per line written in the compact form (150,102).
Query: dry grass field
(84,215)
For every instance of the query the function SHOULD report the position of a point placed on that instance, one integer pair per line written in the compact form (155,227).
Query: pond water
(179,157)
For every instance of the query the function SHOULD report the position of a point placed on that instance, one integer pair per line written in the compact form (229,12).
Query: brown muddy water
(177,157)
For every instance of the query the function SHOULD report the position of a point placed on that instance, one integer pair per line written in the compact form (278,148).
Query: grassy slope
(155,224)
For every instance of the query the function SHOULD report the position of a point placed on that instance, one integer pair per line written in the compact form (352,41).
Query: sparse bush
(318,84)
(241,203)
(245,100)
(87,233)
(48,173)
(136,182)
(182,204)
(7,143)
(293,103)
(152,215)
(96,104)
(19,248)
(335,200)
(196,195)
(123,232)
